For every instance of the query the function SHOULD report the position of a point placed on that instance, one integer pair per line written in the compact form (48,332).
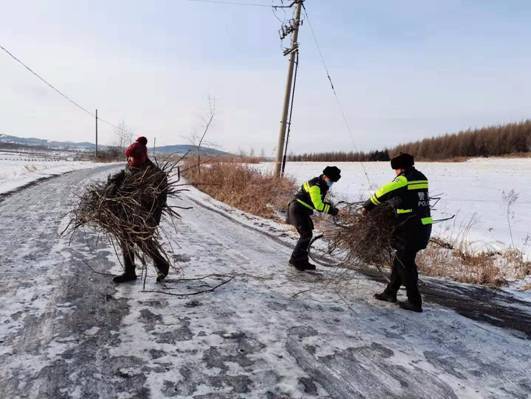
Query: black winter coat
(409,196)
(155,178)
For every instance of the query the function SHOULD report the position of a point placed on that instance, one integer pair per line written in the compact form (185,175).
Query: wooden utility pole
(292,51)
(96,135)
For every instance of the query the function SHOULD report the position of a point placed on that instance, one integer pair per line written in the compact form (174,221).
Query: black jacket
(154,177)
(311,196)
(408,194)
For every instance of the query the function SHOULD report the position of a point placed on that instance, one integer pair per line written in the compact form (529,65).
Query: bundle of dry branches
(362,238)
(128,207)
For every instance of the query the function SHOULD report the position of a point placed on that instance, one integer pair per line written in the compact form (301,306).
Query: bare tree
(197,140)
(124,135)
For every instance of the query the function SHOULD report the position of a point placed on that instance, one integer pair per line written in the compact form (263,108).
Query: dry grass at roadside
(359,240)
(241,186)
(462,263)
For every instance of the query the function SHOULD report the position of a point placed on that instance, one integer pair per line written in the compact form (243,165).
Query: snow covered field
(20,169)
(473,190)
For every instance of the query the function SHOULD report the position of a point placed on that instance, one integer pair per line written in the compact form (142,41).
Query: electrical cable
(237,3)
(54,88)
(75,103)
(339,104)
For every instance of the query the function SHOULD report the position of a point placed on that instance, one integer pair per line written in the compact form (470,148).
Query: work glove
(334,211)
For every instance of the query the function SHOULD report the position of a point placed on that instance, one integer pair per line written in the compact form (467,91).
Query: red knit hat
(136,153)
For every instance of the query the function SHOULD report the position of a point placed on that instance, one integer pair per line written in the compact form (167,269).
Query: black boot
(163,268)
(384,296)
(124,278)
(129,266)
(161,275)
(297,264)
(309,266)
(409,306)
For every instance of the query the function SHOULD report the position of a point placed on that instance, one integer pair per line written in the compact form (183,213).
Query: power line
(50,85)
(238,3)
(112,125)
(75,103)
(332,87)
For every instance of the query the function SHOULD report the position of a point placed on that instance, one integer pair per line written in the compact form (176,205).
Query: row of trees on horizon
(513,138)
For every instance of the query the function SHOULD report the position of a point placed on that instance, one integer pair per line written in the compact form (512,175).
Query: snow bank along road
(21,171)
(66,332)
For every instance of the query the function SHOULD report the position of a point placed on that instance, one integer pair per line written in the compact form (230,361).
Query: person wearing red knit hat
(136,153)
(138,162)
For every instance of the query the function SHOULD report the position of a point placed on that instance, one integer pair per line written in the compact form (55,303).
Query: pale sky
(403,70)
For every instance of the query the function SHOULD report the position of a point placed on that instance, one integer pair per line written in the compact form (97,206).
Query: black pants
(300,218)
(129,258)
(404,272)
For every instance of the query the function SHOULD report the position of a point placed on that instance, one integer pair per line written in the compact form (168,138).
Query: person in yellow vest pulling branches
(408,194)
(310,197)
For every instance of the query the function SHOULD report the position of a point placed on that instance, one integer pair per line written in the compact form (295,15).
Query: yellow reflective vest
(312,196)
(409,195)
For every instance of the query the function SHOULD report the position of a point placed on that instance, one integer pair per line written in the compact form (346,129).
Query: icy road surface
(66,332)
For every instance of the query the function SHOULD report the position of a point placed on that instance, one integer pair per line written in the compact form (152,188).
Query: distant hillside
(183,148)
(44,144)
(513,138)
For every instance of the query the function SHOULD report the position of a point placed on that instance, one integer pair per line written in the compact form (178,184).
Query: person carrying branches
(143,187)
(310,197)
(408,195)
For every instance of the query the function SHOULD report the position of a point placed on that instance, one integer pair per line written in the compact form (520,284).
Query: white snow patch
(472,190)
(15,173)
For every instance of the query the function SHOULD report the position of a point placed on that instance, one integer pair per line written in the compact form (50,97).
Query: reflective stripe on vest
(374,200)
(417,185)
(305,204)
(427,220)
(402,211)
(315,196)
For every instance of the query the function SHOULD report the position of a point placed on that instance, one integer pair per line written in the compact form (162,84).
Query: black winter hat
(402,161)
(332,172)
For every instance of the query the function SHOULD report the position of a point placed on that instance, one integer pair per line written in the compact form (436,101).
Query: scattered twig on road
(94,270)
(299,293)
(183,295)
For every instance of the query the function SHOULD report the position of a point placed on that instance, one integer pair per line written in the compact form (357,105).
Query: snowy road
(66,332)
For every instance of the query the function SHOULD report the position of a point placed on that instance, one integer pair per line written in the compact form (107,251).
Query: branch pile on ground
(363,238)
(124,207)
